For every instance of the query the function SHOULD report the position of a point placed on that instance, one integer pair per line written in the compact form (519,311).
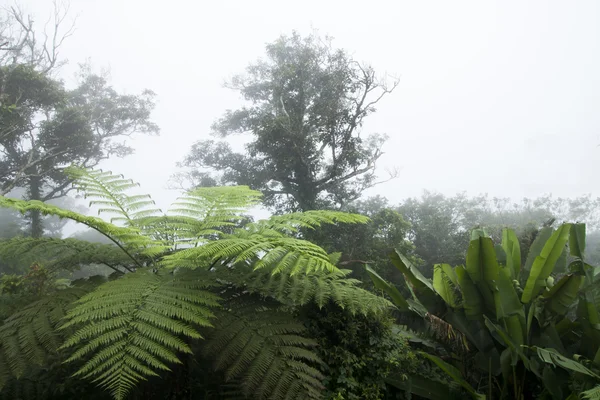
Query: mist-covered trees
(440,225)
(306,105)
(44,125)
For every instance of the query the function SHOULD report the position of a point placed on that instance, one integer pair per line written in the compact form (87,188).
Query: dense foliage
(483,298)
(177,275)
(508,323)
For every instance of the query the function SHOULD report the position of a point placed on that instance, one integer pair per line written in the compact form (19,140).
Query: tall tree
(307,103)
(44,126)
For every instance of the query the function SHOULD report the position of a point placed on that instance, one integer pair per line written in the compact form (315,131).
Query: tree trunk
(35,193)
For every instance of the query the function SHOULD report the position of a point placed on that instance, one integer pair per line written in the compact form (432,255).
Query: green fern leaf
(591,394)
(29,336)
(303,288)
(62,254)
(293,222)
(130,239)
(265,351)
(204,212)
(108,191)
(276,253)
(130,328)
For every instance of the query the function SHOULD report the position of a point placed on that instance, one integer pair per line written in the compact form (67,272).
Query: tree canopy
(306,106)
(45,126)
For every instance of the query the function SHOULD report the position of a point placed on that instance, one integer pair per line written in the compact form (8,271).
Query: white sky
(495,97)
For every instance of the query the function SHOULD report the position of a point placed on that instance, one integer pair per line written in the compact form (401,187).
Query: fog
(494,97)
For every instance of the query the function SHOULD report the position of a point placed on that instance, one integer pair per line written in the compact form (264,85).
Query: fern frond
(9,304)
(267,243)
(129,328)
(293,222)
(130,239)
(29,336)
(265,351)
(591,394)
(108,190)
(304,288)
(61,254)
(204,212)
(273,253)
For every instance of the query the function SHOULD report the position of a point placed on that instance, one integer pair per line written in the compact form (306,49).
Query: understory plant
(196,287)
(507,330)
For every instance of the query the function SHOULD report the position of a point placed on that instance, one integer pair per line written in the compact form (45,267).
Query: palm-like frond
(265,351)
(108,192)
(268,245)
(129,328)
(63,254)
(129,239)
(591,394)
(269,242)
(203,213)
(29,336)
(274,253)
(304,288)
(293,222)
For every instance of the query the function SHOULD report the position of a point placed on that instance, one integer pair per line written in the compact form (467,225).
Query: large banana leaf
(589,320)
(412,273)
(445,284)
(390,290)
(511,247)
(506,299)
(478,335)
(544,263)
(561,297)
(577,240)
(536,247)
(510,340)
(482,267)
(472,301)
(552,357)
(422,287)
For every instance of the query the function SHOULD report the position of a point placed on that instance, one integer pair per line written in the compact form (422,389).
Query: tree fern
(292,223)
(132,328)
(304,288)
(214,208)
(129,239)
(62,254)
(129,328)
(275,253)
(591,394)
(108,193)
(29,336)
(264,350)
(268,244)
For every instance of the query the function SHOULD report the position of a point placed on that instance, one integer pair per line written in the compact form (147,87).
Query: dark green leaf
(577,240)
(544,263)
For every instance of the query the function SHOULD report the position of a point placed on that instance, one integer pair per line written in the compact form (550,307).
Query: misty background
(494,97)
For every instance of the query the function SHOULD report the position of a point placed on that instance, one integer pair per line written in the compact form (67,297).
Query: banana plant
(504,308)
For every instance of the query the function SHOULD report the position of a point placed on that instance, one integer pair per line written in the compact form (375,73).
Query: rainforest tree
(45,126)
(307,103)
